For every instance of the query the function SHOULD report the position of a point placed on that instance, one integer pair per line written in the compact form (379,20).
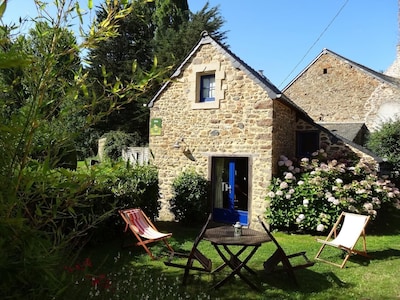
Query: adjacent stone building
(223,119)
(346,97)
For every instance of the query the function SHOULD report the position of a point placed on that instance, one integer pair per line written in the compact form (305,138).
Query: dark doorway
(230,189)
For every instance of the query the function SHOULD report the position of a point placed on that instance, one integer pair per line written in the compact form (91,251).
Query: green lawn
(128,273)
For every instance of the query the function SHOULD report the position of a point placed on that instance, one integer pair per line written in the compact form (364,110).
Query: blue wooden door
(230,190)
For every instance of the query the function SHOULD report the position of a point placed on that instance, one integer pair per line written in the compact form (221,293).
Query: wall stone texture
(245,122)
(241,126)
(332,90)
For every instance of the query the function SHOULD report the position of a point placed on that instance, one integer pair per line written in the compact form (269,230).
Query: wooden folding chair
(352,227)
(143,229)
(193,256)
(272,264)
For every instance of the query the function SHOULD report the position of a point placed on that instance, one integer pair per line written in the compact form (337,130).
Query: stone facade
(250,119)
(332,90)
(335,89)
(394,68)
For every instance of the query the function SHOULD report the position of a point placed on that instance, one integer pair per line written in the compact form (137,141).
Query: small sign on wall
(156,126)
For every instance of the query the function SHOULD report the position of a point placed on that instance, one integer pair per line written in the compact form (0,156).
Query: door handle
(226,187)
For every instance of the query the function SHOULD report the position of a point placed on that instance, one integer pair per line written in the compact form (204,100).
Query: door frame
(249,158)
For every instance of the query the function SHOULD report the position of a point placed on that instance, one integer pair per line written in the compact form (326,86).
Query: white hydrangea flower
(283,157)
(368,206)
(331,199)
(320,227)
(288,163)
(284,185)
(289,176)
(300,218)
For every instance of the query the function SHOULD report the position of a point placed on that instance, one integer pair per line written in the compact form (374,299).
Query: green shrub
(121,185)
(386,142)
(129,185)
(118,140)
(311,196)
(59,210)
(191,197)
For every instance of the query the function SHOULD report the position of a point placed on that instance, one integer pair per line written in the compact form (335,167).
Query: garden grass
(134,275)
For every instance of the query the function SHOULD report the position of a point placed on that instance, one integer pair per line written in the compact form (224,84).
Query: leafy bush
(46,100)
(129,185)
(386,143)
(65,209)
(191,197)
(118,140)
(311,196)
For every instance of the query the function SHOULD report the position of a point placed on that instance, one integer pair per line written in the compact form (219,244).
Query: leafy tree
(116,141)
(170,14)
(386,142)
(154,37)
(174,44)
(116,57)
(44,211)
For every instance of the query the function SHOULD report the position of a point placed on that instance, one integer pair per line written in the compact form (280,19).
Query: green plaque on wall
(155,126)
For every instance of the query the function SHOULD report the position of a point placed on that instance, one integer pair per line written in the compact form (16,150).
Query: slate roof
(380,76)
(346,130)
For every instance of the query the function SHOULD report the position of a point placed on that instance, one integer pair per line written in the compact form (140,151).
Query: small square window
(307,143)
(207,88)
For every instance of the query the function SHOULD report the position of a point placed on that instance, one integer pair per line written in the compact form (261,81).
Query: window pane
(207,92)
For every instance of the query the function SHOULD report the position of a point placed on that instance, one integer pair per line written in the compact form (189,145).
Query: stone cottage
(228,122)
(346,97)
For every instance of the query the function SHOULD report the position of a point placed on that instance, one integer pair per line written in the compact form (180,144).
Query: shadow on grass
(308,280)
(386,254)
(387,222)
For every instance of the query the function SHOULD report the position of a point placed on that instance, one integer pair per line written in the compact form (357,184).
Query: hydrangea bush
(311,194)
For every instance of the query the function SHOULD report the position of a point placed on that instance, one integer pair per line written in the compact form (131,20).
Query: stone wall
(332,90)
(284,133)
(241,126)
(382,106)
(394,68)
(332,146)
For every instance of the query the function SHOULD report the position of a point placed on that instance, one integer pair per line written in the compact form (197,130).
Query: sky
(282,37)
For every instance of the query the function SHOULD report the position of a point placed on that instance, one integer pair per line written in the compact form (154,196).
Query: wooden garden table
(224,242)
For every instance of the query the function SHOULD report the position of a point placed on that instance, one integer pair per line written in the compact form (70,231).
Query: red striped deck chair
(143,229)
